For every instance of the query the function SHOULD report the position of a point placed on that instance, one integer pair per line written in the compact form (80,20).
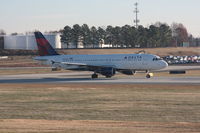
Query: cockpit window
(157,58)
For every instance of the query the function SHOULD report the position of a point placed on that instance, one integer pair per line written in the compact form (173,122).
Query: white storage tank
(28,42)
(20,42)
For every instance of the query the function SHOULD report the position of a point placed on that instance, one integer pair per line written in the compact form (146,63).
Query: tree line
(156,35)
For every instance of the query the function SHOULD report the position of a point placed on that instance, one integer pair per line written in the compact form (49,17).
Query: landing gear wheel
(149,75)
(94,76)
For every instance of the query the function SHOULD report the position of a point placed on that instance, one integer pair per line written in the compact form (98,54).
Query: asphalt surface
(84,77)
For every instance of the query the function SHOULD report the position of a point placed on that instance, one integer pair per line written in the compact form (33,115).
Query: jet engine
(107,71)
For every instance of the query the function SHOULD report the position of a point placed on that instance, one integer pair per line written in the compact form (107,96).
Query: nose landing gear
(149,75)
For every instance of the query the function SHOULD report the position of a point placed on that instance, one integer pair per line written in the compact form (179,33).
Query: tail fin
(44,47)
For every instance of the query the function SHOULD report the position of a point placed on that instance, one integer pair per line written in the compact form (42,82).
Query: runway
(84,77)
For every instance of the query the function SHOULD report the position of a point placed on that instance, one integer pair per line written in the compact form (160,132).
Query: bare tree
(2,32)
(179,33)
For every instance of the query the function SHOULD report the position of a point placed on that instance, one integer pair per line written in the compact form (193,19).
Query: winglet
(44,47)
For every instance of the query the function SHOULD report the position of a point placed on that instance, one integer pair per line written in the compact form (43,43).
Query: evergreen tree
(66,35)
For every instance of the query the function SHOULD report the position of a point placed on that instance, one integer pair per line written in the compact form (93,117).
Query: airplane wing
(84,65)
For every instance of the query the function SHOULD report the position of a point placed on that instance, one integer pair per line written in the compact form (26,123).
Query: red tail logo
(44,47)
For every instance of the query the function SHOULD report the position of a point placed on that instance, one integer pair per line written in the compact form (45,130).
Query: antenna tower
(136,11)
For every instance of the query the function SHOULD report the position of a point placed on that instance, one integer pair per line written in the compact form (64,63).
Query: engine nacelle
(127,72)
(107,71)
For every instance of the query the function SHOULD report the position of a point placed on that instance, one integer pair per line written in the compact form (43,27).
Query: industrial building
(27,42)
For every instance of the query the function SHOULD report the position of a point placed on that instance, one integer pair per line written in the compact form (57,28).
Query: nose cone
(163,64)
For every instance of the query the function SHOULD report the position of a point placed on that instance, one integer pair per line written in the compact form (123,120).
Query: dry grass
(157,51)
(91,126)
(93,108)
(24,71)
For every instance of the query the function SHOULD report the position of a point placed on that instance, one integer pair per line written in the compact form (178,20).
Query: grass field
(180,51)
(93,108)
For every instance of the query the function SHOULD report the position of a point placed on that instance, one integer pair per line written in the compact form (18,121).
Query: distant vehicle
(182,59)
(106,65)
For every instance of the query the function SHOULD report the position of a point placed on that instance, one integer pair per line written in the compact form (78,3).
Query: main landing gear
(95,76)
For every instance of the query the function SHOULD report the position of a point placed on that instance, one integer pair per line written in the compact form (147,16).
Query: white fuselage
(138,62)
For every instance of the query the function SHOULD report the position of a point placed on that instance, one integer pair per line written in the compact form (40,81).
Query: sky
(48,15)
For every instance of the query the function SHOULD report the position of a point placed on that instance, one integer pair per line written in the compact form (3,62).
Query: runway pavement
(84,77)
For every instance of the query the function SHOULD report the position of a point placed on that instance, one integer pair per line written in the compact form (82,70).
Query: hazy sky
(45,15)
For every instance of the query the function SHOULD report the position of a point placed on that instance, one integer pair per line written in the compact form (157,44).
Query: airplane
(106,65)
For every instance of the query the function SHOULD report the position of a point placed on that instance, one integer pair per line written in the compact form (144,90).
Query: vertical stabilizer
(44,47)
